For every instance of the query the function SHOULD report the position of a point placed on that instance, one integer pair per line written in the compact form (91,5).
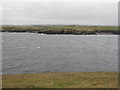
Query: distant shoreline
(61,33)
(67,30)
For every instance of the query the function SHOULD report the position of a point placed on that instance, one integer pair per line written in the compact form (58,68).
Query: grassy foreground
(62,29)
(62,80)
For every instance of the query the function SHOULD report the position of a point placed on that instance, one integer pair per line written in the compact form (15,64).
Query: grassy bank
(62,29)
(62,80)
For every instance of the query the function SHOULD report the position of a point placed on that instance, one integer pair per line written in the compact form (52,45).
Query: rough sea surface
(38,53)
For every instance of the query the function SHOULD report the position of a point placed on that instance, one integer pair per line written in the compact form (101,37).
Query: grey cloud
(60,13)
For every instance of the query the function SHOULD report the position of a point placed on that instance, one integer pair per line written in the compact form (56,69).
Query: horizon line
(60,24)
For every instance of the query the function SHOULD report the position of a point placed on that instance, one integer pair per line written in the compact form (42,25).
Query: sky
(60,12)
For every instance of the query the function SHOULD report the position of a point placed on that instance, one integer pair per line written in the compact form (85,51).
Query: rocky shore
(76,30)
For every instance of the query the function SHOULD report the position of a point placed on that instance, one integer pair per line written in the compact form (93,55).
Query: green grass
(62,80)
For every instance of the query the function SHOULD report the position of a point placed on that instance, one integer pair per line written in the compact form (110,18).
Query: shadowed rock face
(65,32)
(77,32)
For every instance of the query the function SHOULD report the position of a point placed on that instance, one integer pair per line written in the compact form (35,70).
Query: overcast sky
(84,13)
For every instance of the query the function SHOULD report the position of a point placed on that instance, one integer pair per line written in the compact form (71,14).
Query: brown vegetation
(62,80)
(60,29)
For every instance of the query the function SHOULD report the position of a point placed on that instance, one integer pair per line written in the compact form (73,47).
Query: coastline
(61,33)
(62,80)
(67,30)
